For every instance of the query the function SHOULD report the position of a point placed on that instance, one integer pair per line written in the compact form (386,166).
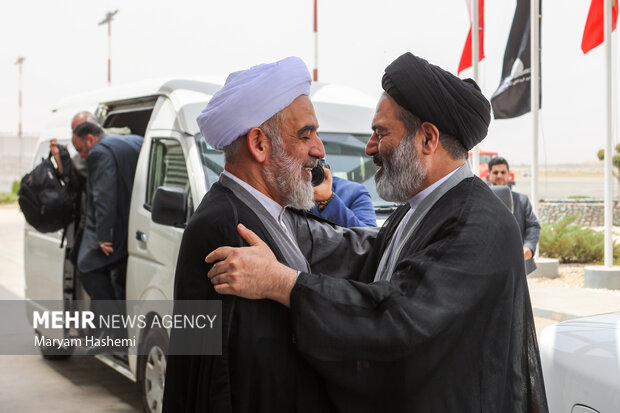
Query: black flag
(512,97)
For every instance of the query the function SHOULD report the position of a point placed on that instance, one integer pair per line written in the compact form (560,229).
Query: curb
(553,315)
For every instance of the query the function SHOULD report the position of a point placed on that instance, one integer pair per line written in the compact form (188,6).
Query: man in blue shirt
(344,202)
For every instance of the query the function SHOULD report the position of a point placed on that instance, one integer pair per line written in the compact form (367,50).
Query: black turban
(455,106)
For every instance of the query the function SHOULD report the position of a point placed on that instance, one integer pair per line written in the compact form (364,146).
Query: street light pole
(20,62)
(108,20)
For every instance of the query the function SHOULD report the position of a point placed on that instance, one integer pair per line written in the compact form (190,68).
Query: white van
(174,158)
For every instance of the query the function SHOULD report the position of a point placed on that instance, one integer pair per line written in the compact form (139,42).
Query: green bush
(15,187)
(572,243)
(7,198)
(10,197)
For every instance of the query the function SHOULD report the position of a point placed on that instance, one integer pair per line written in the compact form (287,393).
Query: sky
(66,53)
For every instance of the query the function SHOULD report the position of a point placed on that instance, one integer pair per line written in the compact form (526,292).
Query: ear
(430,138)
(91,140)
(259,145)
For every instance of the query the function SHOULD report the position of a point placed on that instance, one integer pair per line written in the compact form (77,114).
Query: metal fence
(15,157)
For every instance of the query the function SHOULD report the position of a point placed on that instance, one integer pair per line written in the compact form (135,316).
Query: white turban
(250,97)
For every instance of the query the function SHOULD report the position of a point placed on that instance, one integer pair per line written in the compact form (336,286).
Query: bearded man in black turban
(439,318)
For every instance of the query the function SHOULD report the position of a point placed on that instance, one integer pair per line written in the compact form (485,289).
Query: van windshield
(345,154)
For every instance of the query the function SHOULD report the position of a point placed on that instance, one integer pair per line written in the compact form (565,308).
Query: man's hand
(56,154)
(251,272)
(323,191)
(527,253)
(106,247)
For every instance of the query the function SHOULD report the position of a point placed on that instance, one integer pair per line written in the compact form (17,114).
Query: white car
(581,364)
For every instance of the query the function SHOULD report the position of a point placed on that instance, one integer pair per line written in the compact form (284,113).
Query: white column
(609,257)
(534,96)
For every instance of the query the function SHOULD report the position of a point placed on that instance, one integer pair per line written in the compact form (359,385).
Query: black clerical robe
(452,331)
(260,369)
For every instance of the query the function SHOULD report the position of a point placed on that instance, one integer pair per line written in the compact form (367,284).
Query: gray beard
(402,174)
(285,176)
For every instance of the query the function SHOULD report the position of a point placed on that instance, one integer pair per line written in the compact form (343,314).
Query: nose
(317,149)
(372,147)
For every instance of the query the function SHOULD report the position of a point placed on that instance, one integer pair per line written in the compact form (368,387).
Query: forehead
(386,111)
(300,113)
(499,167)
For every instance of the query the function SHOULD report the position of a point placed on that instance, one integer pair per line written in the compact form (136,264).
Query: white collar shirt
(275,210)
(415,202)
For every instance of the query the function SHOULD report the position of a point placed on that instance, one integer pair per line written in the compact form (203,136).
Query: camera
(318,172)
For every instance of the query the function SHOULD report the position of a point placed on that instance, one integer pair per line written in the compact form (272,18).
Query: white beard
(402,174)
(285,176)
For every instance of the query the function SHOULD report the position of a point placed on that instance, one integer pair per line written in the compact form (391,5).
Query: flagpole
(475,38)
(315,71)
(609,256)
(534,96)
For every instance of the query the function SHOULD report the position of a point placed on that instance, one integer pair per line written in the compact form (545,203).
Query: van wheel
(152,370)
(55,353)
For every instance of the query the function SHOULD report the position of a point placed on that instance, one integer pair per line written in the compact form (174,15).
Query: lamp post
(19,63)
(108,20)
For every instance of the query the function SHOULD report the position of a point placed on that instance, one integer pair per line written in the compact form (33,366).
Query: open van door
(161,203)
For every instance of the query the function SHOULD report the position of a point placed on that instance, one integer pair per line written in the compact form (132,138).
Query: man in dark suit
(528,224)
(111,164)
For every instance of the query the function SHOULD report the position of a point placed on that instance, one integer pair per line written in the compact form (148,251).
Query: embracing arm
(233,270)
(332,249)
(432,293)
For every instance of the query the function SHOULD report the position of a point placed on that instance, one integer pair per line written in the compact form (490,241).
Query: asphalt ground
(33,384)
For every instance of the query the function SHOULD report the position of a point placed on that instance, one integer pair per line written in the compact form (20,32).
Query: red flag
(593,33)
(466,56)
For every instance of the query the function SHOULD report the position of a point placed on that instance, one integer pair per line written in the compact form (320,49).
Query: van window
(136,120)
(134,113)
(212,161)
(166,167)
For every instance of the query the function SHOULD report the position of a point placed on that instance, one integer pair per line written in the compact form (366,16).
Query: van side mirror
(170,206)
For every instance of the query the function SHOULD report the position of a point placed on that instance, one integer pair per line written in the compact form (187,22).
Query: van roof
(151,87)
(339,109)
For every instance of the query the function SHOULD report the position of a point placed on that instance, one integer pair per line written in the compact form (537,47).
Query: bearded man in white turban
(263,121)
